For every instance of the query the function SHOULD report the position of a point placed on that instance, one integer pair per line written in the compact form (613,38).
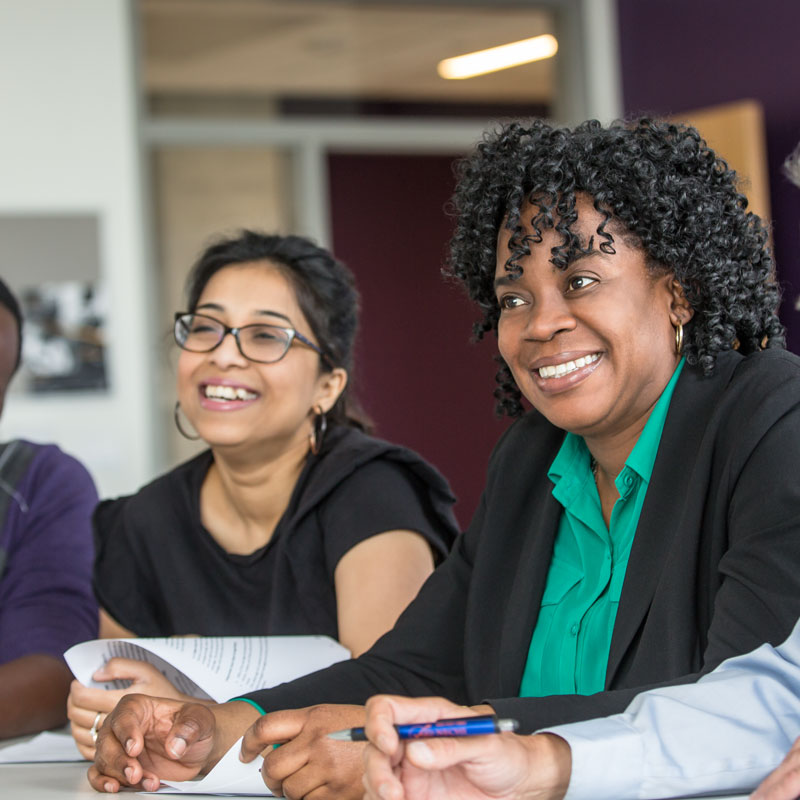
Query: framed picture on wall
(52,264)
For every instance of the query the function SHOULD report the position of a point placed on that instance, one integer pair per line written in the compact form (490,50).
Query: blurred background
(133,130)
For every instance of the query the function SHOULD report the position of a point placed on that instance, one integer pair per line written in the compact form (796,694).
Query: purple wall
(678,55)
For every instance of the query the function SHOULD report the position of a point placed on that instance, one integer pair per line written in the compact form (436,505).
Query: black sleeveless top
(159,572)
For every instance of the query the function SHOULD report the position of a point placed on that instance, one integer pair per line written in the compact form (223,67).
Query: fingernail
(129,774)
(109,787)
(129,746)
(421,752)
(151,784)
(178,746)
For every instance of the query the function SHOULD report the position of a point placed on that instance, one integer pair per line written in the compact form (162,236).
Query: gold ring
(93,729)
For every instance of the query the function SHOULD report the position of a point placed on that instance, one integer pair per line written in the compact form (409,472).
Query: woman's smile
(564,371)
(226,395)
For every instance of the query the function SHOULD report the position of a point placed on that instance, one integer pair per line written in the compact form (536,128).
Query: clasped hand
(146,739)
(84,704)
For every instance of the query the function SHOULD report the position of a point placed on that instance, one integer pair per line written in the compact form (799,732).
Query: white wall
(69,143)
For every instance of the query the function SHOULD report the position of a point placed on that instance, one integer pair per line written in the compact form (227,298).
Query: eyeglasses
(262,343)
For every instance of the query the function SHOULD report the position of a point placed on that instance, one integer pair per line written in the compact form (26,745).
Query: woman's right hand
(147,739)
(84,704)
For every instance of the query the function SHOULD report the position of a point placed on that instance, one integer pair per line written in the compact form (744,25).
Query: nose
(227,353)
(549,315)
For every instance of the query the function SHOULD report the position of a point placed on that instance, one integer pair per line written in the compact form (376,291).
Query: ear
(679,310)
(329,386)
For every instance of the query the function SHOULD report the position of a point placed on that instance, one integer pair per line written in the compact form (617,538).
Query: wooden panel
(736,132)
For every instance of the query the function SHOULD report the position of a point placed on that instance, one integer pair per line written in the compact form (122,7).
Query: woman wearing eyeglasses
(293,521)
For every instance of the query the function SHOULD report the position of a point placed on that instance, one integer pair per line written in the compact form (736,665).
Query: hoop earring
(318,428)
(679,338)
(181,431)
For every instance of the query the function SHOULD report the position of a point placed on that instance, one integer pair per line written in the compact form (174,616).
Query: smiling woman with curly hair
(657,183)
(639,524)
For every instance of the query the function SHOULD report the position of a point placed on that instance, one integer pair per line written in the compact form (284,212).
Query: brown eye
(578,282)
(509,301)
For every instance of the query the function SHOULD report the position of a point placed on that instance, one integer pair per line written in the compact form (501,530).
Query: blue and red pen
(463,726)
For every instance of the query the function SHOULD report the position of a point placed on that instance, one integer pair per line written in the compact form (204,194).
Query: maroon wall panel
(421,380)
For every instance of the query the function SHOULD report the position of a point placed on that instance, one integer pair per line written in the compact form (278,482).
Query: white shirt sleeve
(724,733)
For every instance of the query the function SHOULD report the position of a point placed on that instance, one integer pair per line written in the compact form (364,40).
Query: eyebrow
(259,312)
(505,280)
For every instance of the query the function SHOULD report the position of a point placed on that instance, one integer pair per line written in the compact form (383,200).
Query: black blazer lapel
(682,444)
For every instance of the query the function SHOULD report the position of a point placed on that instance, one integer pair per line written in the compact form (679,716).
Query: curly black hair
(656,181)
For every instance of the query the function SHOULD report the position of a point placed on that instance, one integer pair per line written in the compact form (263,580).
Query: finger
(94,700)
(274,728)
(191,736)
(82,736)
(386,711)
(783,783)
(124,669)
(126,726)
(112,761)
(438,754)
(84,718)
(101,782)
(285,761)
(273,784)
(783,786)
(86,751)
(379,778)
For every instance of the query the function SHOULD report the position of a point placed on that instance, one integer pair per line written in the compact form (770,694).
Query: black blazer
(714,570)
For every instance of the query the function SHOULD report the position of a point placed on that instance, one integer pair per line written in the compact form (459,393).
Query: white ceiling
(334,50)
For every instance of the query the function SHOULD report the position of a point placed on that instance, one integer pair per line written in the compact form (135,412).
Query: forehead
(254,285)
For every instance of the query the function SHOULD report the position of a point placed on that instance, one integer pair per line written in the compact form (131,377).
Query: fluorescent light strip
(497,58)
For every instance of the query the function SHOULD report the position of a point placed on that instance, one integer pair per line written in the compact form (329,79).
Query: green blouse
(569,648)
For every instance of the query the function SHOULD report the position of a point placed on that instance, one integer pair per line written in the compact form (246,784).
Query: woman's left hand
(308,761)
(87,708)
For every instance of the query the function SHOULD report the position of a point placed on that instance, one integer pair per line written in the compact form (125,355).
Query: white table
(67,781)
(64,781)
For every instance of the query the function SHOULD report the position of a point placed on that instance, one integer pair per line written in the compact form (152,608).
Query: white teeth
(559,370)
(228,393)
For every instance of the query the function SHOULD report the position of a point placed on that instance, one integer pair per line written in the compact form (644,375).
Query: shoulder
(768,368)
(762,385)
(51,472)
(165,495)
(354,455)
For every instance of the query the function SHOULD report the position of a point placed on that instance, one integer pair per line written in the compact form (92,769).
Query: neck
(244,495)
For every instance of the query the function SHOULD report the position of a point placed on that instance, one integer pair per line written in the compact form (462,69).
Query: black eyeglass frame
(226,329)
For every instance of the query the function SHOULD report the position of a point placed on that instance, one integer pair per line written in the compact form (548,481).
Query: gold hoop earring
(318,428)
(679,338)
(181,431)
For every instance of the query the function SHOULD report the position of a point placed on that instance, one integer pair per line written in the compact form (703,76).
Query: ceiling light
(497,58)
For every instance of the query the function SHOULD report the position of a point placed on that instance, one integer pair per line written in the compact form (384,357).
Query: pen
(463,726)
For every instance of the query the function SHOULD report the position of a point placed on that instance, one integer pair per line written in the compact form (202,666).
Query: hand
(471,768)
(84,703)
(145,739)
(783,783)
(308,761)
